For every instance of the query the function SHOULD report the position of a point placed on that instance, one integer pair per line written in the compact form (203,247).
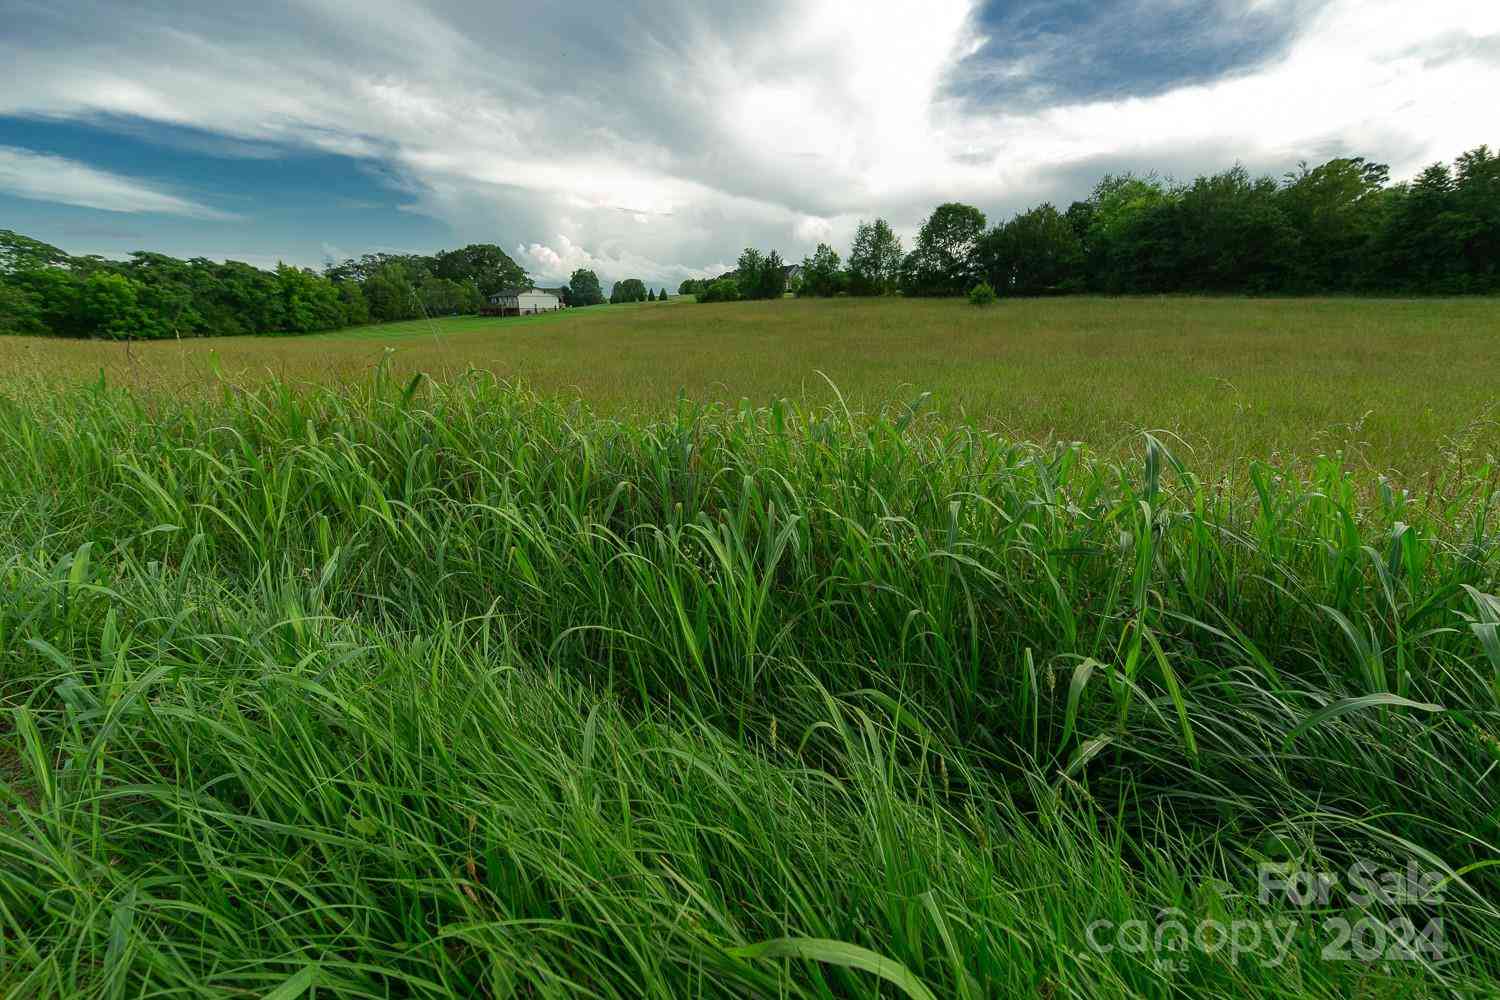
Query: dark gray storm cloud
(1044,52)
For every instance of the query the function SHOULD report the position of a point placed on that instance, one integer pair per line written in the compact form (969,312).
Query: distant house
(792,273)
(525,301)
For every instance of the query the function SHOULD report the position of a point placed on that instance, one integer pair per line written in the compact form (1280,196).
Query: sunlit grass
(438,688)
(1395,386)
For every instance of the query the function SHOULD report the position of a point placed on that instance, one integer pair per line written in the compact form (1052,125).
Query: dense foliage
(441,690)
(945,259)
(1337,227)
(757,275)
(722,290)
(821,275)
(1340,227)
(760,275)
(151,296)
(629,290)
(584,288)
(875,259)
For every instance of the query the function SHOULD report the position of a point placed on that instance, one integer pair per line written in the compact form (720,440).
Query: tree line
(628,290)
(153,296)
(150,296)
(1339,227)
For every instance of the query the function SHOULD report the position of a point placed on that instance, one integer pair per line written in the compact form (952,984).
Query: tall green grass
(444,689)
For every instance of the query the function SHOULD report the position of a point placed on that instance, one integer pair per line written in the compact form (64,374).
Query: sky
(656,140)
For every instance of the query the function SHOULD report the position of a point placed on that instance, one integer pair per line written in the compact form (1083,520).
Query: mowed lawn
(1408,387)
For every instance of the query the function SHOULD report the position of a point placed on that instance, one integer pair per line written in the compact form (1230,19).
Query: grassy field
(1400,386)
(406,687)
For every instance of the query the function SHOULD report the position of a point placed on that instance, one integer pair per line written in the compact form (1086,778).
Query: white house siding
(534,301)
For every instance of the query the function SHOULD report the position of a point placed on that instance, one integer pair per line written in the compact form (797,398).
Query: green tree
(447,297)
(944,260)
(722,290)
(1229,234)
(821,275)
(760,276)
(58,297)
(1477,196)
(1336,209)
(1127,234)
(20,309)
(875,259)
(169,291)
(486,265)
(1421,246)
(22,253)
(1035,253)
(629,290)
(245,299)
(772,283)
(391,294)
(109,306)
(310,301)
(583,288)
(352,300)
(747,272)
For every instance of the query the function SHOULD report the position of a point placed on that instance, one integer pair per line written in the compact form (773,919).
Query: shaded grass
(432,689)
(1397,386)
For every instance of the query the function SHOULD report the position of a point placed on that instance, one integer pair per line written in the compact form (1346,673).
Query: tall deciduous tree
(747,270)
(391,294)
(311,301)
(1036,253)
(583,288)
(875,259)
(1336,208)
(1477,191)
(944,260)
(486,265)
(820,273)
(109,306)
(760,276)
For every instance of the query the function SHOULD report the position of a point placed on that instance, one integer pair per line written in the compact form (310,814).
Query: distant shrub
(981,294)
(723,290)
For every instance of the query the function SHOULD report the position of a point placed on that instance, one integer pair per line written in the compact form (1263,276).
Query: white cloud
(1354,81)
(666,136)
(558,262)
(41,177)
(812,230)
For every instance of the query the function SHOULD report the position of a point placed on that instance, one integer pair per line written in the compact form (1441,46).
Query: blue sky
(655,140)
(264,201)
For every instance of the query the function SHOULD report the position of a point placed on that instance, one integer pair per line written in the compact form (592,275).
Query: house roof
(510,293)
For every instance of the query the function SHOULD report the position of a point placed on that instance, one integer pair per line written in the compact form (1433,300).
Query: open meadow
(1400,385)
(546,676)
